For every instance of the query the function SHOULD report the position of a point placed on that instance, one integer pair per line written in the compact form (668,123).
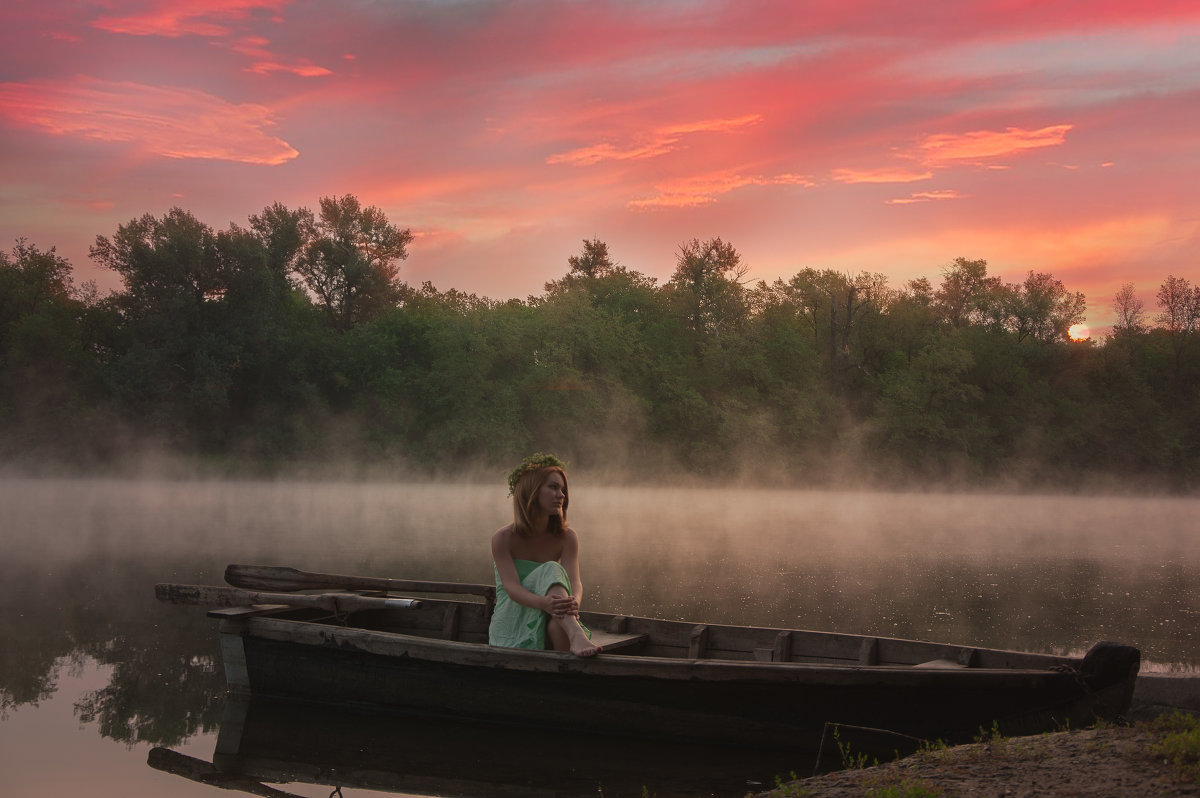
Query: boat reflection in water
(270,741)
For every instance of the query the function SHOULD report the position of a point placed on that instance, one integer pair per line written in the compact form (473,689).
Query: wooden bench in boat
(613,642)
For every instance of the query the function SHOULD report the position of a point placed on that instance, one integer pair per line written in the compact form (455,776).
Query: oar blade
(274,577)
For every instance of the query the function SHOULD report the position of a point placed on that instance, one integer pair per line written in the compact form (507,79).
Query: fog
(1052,573)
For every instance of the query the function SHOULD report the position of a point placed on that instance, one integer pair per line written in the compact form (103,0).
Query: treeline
(294,341)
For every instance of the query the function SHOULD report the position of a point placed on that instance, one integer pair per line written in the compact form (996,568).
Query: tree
(282,234)
(911,318)
(174,368)
(1042,308)
(966,292)
(51,398)
(349,260)
(929,412)
(1180,315)
(836,306)
(1180,304)
(1129,310)
(707,286)
(168,265)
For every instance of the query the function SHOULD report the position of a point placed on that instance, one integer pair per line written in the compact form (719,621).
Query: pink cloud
(459,122)
(302,68)
(175,18)
(162,121)
(982,145)
(883,175)
(926,196)
(659,142)
(706,189)
(265,62)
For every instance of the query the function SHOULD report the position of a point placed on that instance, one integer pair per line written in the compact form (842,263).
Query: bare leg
(565,632)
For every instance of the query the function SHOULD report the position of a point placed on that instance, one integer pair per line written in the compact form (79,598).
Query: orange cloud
(168,122)
(926,196)
(266,62)
(980,145)
(884,175)
(705,189)
(175,18)
(303,68)
(661,141)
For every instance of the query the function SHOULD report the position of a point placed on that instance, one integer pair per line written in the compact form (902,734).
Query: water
(94,672)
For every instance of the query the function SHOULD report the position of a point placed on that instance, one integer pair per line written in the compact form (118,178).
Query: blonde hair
(525,495)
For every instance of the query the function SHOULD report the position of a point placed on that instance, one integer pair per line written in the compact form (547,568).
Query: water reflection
(1036,573)
(281,743)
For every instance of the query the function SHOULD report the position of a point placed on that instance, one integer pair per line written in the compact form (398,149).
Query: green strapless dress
(516,626)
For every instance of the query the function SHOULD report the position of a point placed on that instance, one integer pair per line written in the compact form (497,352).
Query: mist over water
(1034,572)
(1038,573)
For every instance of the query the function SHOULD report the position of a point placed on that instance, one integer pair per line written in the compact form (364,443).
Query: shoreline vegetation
(292,347)
(1159,757)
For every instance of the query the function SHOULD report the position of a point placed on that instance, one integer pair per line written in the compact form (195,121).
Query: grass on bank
(1177,742)
(1180,743)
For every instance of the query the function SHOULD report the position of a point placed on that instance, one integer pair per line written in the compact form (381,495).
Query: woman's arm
(507,570)
(570,564)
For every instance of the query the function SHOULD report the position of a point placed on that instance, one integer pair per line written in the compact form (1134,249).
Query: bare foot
(581,644)
(586,649)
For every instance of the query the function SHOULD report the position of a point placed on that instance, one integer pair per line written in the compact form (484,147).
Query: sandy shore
(1116,762)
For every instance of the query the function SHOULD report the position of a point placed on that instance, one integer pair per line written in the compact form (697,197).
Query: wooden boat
(730,684)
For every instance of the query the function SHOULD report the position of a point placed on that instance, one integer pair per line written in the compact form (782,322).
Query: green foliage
(534,462)
(293,340)
(851,760)
(790,788)
(1180,743)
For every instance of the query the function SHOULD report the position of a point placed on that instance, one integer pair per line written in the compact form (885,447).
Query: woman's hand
(561,606)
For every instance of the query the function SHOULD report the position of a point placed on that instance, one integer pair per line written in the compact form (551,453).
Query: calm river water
(94,673)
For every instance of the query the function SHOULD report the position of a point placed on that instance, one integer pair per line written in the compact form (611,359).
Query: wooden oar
(233,597)
(275,577)
(190,767)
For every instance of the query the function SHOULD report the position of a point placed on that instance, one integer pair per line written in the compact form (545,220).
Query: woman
(537,565)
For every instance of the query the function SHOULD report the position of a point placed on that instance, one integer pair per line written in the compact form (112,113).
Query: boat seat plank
(613,642)
(940,663)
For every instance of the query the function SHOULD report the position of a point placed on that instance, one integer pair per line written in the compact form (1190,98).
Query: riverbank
(1153,758)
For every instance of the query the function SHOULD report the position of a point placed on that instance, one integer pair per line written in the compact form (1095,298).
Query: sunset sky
(874,135)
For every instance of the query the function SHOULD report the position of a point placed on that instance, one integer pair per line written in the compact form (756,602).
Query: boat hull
(789,705)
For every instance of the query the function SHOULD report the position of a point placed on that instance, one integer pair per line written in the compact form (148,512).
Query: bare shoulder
(502,536)
(570,537)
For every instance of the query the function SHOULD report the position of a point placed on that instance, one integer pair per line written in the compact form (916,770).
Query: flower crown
(534,462)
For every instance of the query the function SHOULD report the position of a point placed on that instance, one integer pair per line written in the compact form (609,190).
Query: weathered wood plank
(782,650)
(233,655)
(613,642)
(271,577)
(232,597)
(868,653)
(698,642)
(450,622)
